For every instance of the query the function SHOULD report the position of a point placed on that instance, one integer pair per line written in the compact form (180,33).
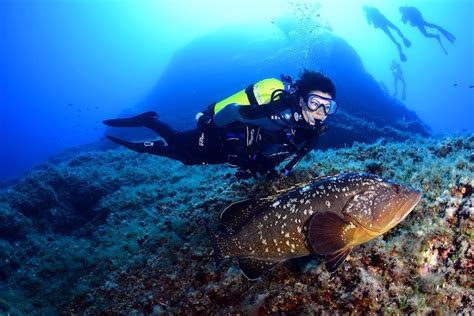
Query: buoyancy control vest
(259,93)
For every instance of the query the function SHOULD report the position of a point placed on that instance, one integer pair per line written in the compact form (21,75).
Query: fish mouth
(412,198)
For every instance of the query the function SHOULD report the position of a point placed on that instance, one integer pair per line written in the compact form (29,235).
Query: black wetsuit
(191,147)
(259,137)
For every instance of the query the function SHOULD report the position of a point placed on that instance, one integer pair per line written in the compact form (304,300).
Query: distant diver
(398,76)
(378,20)
(413,15)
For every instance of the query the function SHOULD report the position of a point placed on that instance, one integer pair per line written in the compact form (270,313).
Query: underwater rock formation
(205,71)
(117,233)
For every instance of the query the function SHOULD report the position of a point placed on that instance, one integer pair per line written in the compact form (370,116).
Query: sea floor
(119,233)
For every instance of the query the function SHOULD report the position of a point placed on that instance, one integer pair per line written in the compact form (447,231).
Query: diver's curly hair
(311,80)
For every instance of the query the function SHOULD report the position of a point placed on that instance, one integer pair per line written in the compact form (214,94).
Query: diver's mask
(315,101)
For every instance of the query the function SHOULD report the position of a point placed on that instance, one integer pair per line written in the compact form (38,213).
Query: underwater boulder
(13,225)
(216,65)
(51,199)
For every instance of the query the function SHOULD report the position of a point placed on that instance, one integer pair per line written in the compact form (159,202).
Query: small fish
(328,216)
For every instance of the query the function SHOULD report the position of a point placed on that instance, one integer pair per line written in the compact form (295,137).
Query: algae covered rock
(13,224)
(147,250)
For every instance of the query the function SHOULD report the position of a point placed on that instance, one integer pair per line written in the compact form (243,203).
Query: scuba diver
(273,121)
(397,76)
(378,20)
(413,15)
(253,130)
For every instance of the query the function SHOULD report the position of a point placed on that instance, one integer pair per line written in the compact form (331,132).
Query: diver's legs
(450,37)
(406,42)
(387,31)
(162,129)
(151,147)
(429,35)
(403,91)
(395,85)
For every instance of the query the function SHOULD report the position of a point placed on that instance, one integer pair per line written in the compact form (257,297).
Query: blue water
(67,65)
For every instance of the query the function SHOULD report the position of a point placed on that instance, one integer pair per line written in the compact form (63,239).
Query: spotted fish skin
(328,216)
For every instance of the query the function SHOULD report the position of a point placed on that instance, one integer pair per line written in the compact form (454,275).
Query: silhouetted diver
(397,76)
(413,15)
(378,20)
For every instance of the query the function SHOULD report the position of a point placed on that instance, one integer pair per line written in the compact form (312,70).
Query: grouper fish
(328,216)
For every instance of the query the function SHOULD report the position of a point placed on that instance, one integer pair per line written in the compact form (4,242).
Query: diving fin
(450,37)
(406,42)
(134,121)
(403,58)
(441,44)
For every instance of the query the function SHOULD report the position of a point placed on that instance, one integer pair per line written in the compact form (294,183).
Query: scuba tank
(262,92)
(258,93)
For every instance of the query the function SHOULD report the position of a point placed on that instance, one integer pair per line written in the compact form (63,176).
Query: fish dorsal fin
(335,260)
(329,233)
(254,268)
(238,213)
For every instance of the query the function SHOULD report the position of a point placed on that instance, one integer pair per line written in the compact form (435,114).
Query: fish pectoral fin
(329,233)
(335,260)
(238,213)
(254,268)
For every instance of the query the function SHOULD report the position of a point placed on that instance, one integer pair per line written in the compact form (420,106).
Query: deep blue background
(67,65)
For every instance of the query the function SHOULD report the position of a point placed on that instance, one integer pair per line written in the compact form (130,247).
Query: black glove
(205,122)
(205,119)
